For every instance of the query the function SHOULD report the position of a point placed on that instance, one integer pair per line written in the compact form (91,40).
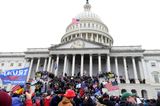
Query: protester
(5,99)
(17,91)
(158,99)
(72,91)
(48,98)
(28,101)
(68,98)
(107,101)
(56,99)
(128,99)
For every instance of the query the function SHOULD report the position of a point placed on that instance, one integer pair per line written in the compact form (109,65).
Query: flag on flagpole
(75,21)
(15,88)
(111,86)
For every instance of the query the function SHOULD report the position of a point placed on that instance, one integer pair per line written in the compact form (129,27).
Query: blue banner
(15,76)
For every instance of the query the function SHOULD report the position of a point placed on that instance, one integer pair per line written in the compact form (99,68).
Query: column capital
(90,54)
(142,57)
(99,54)
(133,57)
(115,57)
(108,54)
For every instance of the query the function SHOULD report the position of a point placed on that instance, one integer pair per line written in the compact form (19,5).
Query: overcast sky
(40,23)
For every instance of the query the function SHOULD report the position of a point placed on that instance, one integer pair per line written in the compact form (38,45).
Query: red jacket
(28,102)
(47,101)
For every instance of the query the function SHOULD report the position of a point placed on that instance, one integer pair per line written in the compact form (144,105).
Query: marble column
(73,65)
(97,38)
(49,63)
(108,64)
(86,36)
(56,66)
(99,64)
(91,36)
(30,69)
(125,69)
(90,66)
(81,35)
(65,63)
(102,39)
(51,67)
(117,71)
(38,62)
(45,63)
(146,74)
(135,70)
(82,62)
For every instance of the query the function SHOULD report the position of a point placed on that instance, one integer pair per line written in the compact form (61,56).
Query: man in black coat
(106,100)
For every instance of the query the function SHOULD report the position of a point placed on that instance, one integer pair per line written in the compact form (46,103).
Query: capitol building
(87,48)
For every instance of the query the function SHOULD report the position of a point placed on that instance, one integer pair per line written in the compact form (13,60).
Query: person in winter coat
(67,99)
(128,99)
(55,100)
(5,99)
(17,91)
(88,101)
(47,99)
(106,100)
(158,99)
(16,101)
(28,101)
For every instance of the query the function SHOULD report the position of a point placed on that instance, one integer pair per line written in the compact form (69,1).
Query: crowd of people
(68,91)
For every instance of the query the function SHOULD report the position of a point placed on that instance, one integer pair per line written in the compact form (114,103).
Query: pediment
(79,43)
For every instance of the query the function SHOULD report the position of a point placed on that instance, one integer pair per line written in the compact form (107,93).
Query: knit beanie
(5,99)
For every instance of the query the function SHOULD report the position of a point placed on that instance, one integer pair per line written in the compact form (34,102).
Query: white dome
(88,26)
(87,14)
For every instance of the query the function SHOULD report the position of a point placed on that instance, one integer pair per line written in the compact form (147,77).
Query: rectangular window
(153,64)
(2,64)
(11,64)
(156,78)
(19,64)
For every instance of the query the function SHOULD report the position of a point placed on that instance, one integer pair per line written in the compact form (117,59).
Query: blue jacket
(16,101)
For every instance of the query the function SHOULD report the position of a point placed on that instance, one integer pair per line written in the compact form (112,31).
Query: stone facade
(87,49)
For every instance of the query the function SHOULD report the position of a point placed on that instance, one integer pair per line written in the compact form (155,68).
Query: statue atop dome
(87,6)
(87,1)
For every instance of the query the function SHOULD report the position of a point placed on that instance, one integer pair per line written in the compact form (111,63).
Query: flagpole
(79,29)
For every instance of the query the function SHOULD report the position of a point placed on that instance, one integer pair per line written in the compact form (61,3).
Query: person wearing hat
(128,98)
(5,99)
(67,99)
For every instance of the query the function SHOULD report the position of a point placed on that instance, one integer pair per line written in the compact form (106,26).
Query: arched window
(156,75)
(144,94)
(123,91)
(134,91)
(80,25)
(93,25)
(88,25)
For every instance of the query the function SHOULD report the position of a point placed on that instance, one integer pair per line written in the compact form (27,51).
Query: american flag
(75,21)
(111,86)
(15,88)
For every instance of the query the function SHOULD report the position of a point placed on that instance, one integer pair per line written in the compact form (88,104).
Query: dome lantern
(87,6)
